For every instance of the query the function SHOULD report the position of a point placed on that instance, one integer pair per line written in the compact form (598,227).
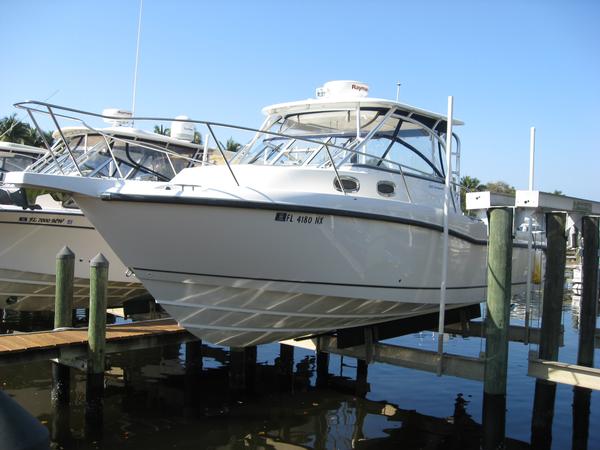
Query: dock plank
(26,342)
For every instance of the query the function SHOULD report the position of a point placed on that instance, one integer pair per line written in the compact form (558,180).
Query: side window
(410,160)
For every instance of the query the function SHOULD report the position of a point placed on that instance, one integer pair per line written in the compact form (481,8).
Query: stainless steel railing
(66,160)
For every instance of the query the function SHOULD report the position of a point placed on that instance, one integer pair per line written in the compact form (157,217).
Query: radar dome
(182,130)
(117,117)
(343,88)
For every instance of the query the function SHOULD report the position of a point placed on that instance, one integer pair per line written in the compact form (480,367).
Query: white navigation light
(343,88)
(182,130)
(117,117)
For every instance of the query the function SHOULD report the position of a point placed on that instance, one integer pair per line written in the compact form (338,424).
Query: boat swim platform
(70,345)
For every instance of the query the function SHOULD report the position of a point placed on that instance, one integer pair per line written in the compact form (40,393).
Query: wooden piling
(192,379)
(545,391)
(250,358)
(496,326)
(97,325)
(362,372)
(589,294)
(237,367)
(63,304)
(581,418)
(587,330)
(63,317)
(322,369)
(286,359)
(285,365)
(96,345)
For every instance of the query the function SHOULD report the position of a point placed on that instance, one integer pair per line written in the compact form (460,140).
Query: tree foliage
(160,129)
(197,138)
(499,187)
(19,132)
(232,146)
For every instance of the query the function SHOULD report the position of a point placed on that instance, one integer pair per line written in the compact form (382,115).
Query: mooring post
(237,368)
(322,369)
(250,358)
(193,370)
(362,372)
(587,329)
(96,343)
(589,294)
(496,326)
(63,304)
(543,403)
(63,317)
(286,367)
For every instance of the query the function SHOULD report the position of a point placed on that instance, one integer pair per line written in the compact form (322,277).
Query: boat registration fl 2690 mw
(329,217)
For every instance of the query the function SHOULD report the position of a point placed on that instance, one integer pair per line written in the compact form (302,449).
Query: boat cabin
(344,128)
(120,151)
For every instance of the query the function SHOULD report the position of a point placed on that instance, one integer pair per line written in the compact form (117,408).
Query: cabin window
(403,145)
(386,188)
(350,184)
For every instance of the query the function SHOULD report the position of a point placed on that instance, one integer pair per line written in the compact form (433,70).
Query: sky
(509,65)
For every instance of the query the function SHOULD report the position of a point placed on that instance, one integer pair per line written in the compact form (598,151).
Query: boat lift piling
(587,329)
(286,366)
(496,326)
(63,317)
(589,297)
(96,342)
(545,391)
(242,364)
(322,367)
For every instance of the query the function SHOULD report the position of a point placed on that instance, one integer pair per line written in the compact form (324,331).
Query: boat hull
(29,243)
(242,275)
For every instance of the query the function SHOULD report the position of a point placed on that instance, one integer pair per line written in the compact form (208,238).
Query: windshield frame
(355,142)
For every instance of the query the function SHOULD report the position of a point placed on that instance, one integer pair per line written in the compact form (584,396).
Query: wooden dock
(69,346)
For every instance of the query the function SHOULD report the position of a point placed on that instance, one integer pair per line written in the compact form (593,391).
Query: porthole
(350,184)
(386,188)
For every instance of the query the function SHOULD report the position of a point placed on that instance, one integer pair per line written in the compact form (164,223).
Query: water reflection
(159,398)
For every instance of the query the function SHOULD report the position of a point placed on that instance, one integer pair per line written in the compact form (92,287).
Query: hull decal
(47,225)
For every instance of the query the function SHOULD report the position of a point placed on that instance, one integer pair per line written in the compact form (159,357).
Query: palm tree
(232,146)
(33,137)
(13,130)
(197,138)
(160,129)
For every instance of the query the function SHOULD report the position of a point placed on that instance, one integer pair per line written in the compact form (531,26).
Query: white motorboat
(330,217)
(33,228)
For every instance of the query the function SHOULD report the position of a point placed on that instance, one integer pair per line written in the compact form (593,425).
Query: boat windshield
(14,162)
(391,142)
(133,159)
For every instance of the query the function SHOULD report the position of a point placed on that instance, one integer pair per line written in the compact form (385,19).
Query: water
(152,401)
